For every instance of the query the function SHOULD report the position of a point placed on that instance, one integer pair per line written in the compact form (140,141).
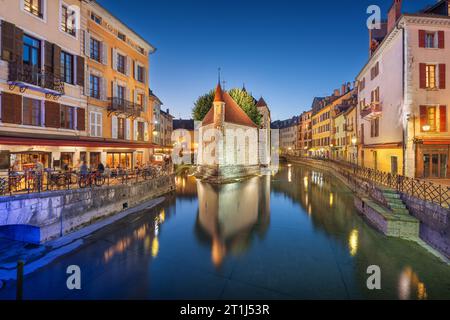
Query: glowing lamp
(426,128)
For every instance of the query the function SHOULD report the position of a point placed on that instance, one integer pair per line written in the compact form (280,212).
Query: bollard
(19,288)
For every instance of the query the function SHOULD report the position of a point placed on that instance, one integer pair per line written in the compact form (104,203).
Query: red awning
(20,141)
(436,142)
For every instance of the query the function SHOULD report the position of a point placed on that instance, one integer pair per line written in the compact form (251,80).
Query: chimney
(343,89)
(336,93)
(167,111)
(394,14)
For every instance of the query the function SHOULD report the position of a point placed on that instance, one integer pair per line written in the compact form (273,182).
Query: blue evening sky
(288,51)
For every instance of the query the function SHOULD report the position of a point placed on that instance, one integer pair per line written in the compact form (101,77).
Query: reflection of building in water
(410,286)
(229,215)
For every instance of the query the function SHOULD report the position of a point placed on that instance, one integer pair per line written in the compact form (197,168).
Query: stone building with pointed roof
(228,146)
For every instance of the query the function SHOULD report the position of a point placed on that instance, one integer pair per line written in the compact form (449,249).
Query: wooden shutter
(56,61)
(421,38)
(80,71)
(114,127)
(81,119)
(441,39)
(135,130)
(443,118)
(146,134)
(48,58)
(18,45)
(8,39)
(104,53)
(442,75)
(423,75)
(423,117)
(11,108)
(52,114)
(127,129)
(87,44)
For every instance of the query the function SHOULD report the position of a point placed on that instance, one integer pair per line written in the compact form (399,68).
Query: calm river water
(293,235)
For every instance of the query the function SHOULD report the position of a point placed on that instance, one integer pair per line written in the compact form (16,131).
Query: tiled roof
(261,103)
(233,113)
(218,95)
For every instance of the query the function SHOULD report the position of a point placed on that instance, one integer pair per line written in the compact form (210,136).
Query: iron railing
(19,73)
(123,106)
(422,189)
(31,181)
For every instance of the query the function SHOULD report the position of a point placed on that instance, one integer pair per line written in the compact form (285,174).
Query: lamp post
(354,141)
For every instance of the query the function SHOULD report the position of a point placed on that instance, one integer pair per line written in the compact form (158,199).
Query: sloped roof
(233,113)
(261,103)
(218,96)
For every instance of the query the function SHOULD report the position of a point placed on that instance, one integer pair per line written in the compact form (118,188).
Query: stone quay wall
(39,217)
(434,220)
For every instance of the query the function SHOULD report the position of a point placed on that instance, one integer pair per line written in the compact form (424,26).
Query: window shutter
(443,118)
(52,114)
(104,50)
(18,45)
(135,70)
(92,126)
(441,39)
(423,75)
(48,57)
(56,61)
(99,123)
(114,59)
(421,38)
(146,131)
(87,44)
(144,102)
(87,84)
(81,119)
(102,89)
(80,71)
(114,127)
(135,127)
(442,75)
(127,129)
(423,117)
(135,96)
(11,108)
(128,66)
(8,39)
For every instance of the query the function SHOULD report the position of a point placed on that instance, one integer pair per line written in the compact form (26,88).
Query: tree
(247,103)
(242,98)
(202,106)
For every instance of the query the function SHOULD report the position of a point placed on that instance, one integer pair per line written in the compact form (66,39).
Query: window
(362,84)
(95,120)
(121,63)
(31,112)
(121,93)
(121,36)
(140,100)
(121,128)
(94,85)
(31,51)
(68,20)
(140,74)
(375,128)
(430,40)
(430,76)
(34,7)
(67,117)
(66,67)
(95,50)
(96,18)
(140,131)
(431,118)
(374,71)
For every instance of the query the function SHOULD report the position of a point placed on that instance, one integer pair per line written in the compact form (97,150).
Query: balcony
(32,77)
(371,112)
(348,128)
(121,106)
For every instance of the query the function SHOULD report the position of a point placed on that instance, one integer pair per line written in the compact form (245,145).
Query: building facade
(73,84)
(117,89)
(43,107)
(305,133)
(265,138)
(403,110)
(288,134)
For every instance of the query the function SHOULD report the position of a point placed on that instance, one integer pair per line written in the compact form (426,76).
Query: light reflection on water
(299,239)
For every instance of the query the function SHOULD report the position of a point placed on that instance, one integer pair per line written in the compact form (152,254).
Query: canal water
(293,235)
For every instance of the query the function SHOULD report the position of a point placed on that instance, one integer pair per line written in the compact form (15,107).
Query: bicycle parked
(91,179)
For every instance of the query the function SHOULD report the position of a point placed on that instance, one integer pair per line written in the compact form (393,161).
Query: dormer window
(34,7)
(96,18)
(121,36)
